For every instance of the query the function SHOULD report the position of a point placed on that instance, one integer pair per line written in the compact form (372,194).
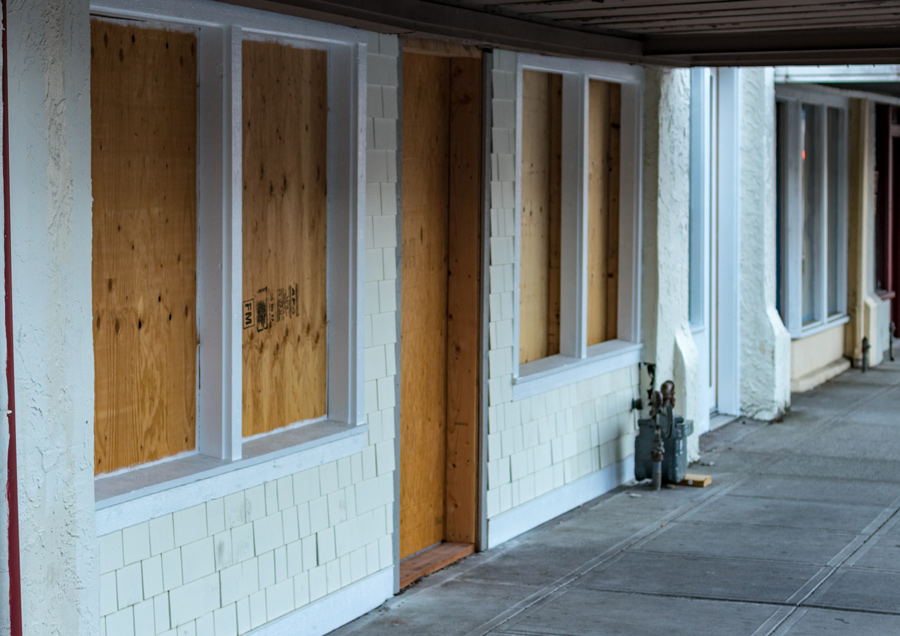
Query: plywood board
(463,300)
(443,48)
(285,111)
(555,250)
(425,169)
(143,270)
(603,211)
(598,211)
(430,561)
(540,229)
(612,252)
(696,481)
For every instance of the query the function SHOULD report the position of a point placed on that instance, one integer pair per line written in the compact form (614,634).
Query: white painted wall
(765,343)
(557,448)
(668,340)
(311,550)
(50,147)
(812,355)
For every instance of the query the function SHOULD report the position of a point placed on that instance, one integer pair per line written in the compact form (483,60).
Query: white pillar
(50,150)
(765,367)
(665,252)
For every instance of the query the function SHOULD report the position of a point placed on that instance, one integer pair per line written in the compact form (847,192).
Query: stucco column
(765,343)
(665,236)
(50,146)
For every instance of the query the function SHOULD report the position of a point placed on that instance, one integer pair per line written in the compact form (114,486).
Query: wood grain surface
(143,270)
(425,165)
(539,278)
(463,300)
(285,114)
(598,211)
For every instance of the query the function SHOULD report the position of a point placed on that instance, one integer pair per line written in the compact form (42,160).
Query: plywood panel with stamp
(464,300)
(285,110)
(425,169)
(539,280)
(143,270)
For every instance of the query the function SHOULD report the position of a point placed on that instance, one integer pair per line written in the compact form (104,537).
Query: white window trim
(221,29)
(793,97)
(703,189)
(576,360)
(728,237)
(716,208)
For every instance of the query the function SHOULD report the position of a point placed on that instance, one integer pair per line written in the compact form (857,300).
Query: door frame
(728,287)
(483,330)
(715,216)
(487,63)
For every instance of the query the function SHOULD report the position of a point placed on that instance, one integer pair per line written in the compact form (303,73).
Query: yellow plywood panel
(423,301)
(143,270)
(441,48)
(598,217)
(612,252)
(554,279)
(285,113)
(464,300)
(603,211)
(540,250)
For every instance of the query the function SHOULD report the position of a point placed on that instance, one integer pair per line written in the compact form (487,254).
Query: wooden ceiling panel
(797,11)
(667,32)
(636,16)
(588,10)
(800,20)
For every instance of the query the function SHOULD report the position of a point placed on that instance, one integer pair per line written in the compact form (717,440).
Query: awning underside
(700,33)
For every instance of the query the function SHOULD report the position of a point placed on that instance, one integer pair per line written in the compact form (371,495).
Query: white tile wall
(553,439)
(235,563)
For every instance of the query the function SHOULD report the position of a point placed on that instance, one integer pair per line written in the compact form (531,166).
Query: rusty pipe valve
(657,454)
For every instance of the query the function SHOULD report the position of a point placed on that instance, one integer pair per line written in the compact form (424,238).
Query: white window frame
(576,360)
(789,147)
(221,29)
(704,184)
(715,234)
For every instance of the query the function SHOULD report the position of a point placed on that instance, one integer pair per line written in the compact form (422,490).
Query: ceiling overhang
(664,32)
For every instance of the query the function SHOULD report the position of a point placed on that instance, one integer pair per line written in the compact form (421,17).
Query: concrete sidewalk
(799,534)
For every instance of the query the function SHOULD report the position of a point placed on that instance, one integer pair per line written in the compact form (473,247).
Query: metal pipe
(891,328)
(657,454)
(865,353)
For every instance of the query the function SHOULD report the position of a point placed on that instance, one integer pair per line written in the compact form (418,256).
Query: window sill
(557,371)
(137,495)
(884,294)
(819,327)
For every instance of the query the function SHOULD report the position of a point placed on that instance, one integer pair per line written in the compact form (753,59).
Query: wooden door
(440,300)
(423,345)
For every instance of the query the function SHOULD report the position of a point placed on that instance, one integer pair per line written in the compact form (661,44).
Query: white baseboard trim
(331,612)
(531,514)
